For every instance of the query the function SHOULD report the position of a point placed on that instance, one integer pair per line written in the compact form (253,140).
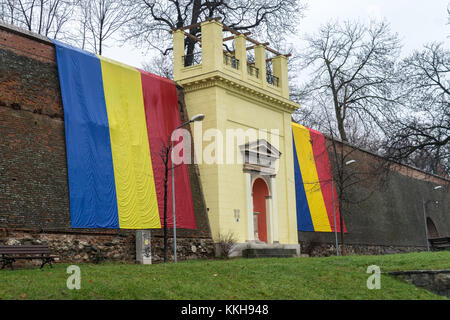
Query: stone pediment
(260,156)
(261,146)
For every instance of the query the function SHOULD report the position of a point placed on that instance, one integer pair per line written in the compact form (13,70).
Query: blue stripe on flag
(304,221)
(92,190)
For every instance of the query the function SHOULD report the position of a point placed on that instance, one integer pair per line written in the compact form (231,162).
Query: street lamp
(424,204)
(334,209)
(198,117)
(350,162)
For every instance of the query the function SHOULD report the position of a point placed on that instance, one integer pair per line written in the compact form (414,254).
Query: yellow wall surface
(232,99)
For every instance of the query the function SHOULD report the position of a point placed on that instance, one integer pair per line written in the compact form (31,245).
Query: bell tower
(245,142)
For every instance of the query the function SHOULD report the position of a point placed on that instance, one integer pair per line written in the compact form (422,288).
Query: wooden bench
(440,243)
(9,254)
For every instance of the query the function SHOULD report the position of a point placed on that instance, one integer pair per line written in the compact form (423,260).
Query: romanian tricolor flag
(117,120)
(313,183)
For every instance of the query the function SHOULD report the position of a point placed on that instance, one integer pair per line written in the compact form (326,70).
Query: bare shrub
(226,243)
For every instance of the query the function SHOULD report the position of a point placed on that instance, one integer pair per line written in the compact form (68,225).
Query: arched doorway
(432,230)
(260,192)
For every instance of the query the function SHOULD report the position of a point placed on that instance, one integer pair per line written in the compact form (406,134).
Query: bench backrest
(439,241)
(27,249)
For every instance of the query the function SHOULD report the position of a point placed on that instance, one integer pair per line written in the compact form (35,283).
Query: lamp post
(198,117)
(334,209)
(424,204)
(334,216)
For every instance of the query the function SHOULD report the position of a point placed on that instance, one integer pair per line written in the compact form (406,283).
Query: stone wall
(436,281)
(384,212)
(187,249)
(33,172)
(76,247)
(34,195)
(98,247)
(317,249)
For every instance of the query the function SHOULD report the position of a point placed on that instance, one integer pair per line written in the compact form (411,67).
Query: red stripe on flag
(162,117)
(324,173)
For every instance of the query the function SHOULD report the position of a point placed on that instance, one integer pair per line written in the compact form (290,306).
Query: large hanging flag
(117,120)
(314,193)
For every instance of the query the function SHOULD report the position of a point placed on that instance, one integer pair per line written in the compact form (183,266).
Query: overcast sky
(416,22)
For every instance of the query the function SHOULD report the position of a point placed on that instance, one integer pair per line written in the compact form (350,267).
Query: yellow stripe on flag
(310,177)
(135,185)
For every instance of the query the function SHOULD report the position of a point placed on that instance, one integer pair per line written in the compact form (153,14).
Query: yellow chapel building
(244,145)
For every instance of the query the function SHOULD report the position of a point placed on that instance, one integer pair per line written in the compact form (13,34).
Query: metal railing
(192,59)
(252,70)
(231,61)
(271,79)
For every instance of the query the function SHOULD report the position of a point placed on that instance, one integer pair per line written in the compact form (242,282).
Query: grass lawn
(270,278)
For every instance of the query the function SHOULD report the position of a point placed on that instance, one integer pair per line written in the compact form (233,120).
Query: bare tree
(164,154)
(80,35)
(448,13)
(365,171)
(352,171)
(7,11)
(161,65)
(352,69)
(99,20)
(154,19)
(420,135)
(46,17)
